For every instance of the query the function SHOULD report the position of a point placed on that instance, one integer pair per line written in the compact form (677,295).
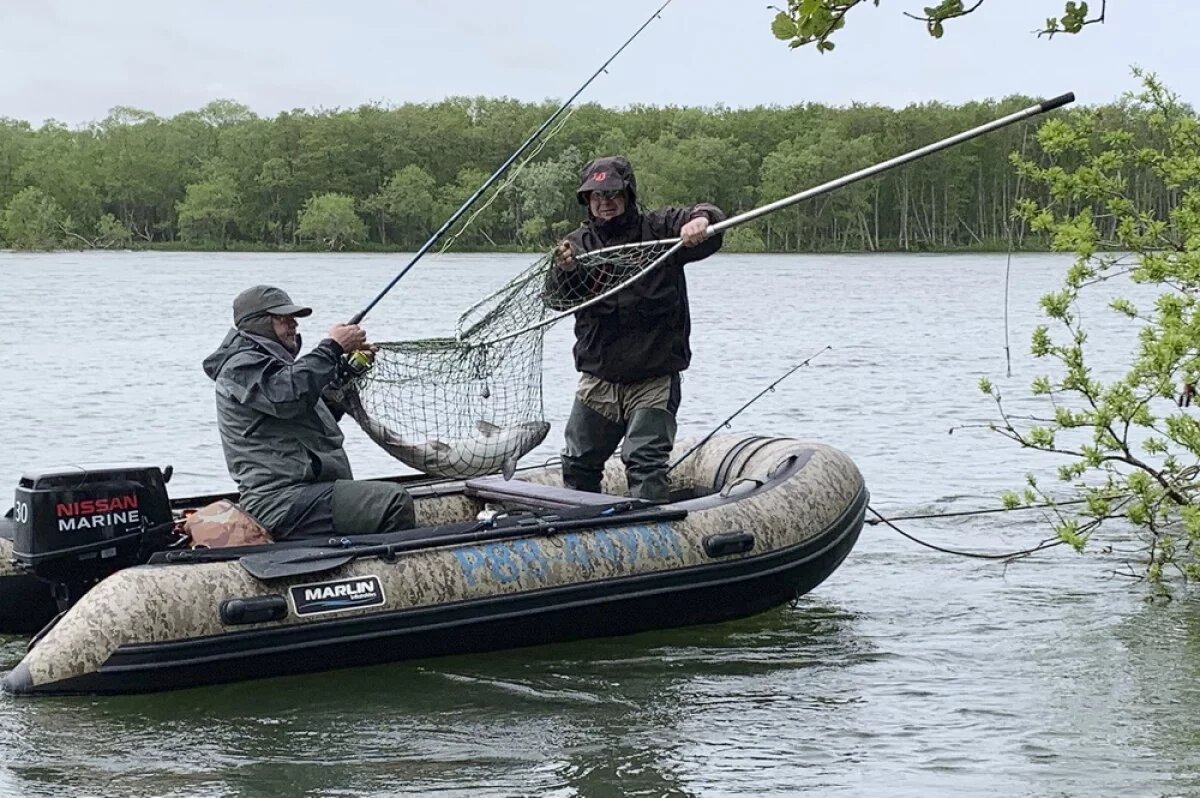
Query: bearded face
(285,329)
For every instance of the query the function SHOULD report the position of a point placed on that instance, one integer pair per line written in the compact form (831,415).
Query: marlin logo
(337,596)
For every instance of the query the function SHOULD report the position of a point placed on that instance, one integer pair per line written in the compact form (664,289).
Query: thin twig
(956,14)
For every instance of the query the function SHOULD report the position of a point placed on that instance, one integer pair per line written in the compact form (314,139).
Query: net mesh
(471,405)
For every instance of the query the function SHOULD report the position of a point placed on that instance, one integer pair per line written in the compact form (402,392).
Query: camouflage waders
(643,413)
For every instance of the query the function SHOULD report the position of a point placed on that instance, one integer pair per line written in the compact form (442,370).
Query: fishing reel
(358,363)
(355,364)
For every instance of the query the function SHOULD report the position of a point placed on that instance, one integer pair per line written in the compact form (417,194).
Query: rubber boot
(649,438)
(590,440)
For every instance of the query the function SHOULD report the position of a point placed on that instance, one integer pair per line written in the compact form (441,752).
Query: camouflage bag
(223,524)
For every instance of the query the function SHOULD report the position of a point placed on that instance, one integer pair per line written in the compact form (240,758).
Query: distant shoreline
(986,247)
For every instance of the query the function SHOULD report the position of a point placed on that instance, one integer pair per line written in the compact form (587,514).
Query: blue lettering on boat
(532,559)
(470,560)
(604,546)
(629,537)
(502,562)
(661,542)
(575,550)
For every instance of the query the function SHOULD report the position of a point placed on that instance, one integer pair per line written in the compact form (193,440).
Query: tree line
(222,177)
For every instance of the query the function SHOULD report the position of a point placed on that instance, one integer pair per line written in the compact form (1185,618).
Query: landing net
(471,405)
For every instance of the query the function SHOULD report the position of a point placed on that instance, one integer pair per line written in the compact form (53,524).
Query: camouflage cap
(607,173)
(265,299)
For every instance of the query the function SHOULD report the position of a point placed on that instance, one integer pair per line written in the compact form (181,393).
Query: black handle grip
(253,609)
(1057,102)
(725,543)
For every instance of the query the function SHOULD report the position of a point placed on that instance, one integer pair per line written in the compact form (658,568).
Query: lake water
(908,673)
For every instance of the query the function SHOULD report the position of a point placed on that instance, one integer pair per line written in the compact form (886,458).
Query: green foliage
(110,232)
(405,204)
(483,224)
(331,222)
(546,189)
(222,176)
(1121,194)
(743,239)
(209,209)
(844,216)
(815,21)
(680,171)
(15,138)
(535,233)
(33,220)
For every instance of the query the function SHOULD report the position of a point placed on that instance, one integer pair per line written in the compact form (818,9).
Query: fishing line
(754,399)
(1008,263)
(358,317)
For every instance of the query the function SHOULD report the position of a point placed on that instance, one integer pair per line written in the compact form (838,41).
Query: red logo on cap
(599,176)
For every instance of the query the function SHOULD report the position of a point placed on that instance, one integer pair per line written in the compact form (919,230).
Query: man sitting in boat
(629,347)
(279,426)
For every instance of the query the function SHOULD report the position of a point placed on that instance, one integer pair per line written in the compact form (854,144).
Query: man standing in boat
(279,426)
(631,347)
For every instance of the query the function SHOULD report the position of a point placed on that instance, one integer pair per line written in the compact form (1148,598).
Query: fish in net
(470,405)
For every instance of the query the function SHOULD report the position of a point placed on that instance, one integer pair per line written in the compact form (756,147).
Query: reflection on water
(570,719)
(1159,688)
(908,673)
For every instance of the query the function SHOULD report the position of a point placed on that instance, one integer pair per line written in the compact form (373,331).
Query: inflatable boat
(753,523)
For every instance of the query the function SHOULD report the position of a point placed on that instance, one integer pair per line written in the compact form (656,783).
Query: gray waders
(643,413)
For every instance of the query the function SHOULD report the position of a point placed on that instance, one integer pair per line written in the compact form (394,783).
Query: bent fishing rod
(358,317)
(741,409)
(816,191)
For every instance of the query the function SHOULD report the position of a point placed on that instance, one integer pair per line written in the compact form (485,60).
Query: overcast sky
(73,60)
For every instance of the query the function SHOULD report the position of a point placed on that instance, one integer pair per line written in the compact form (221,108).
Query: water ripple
(908,673)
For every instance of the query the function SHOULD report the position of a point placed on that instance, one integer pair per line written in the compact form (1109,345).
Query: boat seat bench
(496,488)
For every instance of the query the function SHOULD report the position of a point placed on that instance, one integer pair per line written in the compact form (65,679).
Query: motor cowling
(73,527)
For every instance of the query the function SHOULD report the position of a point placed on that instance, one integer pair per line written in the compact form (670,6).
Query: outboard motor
(74,527)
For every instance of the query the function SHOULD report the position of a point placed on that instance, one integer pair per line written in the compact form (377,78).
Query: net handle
(899,160)
(358,317)
(824,188)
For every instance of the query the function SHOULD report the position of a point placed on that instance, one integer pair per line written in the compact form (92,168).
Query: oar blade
(294,562)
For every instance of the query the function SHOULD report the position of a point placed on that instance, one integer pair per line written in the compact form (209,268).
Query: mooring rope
(890,522)
(1046,544)
(974,512)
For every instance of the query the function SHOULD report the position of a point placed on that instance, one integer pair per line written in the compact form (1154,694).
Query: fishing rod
(824,188)
(358,317)
(738,412)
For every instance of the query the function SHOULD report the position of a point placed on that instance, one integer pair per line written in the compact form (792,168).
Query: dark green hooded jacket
(278,431)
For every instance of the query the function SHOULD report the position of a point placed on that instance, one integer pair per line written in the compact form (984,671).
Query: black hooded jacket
(644,330)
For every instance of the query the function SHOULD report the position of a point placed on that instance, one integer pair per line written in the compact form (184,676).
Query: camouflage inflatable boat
(753,523)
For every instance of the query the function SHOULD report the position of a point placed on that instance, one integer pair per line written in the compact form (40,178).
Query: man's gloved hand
(694,232)
(564,256)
